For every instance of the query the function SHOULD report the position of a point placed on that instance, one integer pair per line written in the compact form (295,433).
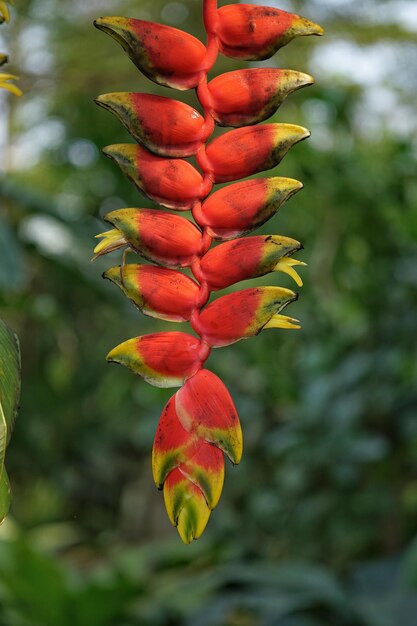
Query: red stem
(204,97)
(210,17)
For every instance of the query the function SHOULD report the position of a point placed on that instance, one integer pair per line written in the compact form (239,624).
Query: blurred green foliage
(9,401)
(314,525)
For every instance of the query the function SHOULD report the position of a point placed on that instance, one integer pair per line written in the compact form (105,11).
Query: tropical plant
(199,423)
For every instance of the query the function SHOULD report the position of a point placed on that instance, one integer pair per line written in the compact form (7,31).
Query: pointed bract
(246,151)
(204,406)
(164,126)
(242,314)
(254,33)
(242,207)
(241,259)
(162,359)
(186,506)
(249,96)
(166,55)
(173,183)
(201,462)
(206,470)
(159,236)
(173,445)
(156,291)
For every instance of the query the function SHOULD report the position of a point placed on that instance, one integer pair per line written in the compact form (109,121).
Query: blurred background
(318,525)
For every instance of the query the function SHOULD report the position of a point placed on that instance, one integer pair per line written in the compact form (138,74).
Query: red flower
(199,424)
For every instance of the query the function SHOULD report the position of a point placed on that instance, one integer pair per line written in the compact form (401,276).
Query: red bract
(199,424)
(254,33)
(174,183)
(242,314)
(157,291)
(166,127)
(163,359)
(246,151)
(250,96)
(164,54)
(164,238)
(241,259)
(204,406)
(240,208)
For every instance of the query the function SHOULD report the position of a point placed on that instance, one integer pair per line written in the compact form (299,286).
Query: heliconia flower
(245,151)
(241,259)
(243,314)
(254,33)
(6,84)
(166,55)
(186,506)
(237,209)
(164,238)
(162,359)
(200,461)
(249,96)
(173,183)
(157,291)
(199,424)
(204,406)
(164,126)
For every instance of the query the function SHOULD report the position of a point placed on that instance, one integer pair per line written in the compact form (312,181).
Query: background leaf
(13,270)
(9,398)
(9,380)
(5,494)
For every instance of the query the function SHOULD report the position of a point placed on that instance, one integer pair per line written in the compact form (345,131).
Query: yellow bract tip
(291,133)
(303,26)
(280,183)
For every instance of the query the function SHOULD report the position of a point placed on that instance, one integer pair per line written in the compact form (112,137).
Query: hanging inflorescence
(200,424)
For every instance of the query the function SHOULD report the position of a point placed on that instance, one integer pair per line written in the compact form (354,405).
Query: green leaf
(34,585)
(9,398)
(5,495)
(9,377)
